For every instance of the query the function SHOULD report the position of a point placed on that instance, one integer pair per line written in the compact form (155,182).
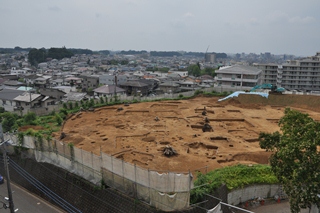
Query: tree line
(37,56)
(195,70)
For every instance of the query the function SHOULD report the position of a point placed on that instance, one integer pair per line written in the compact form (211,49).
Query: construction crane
(207,49)
(205,54)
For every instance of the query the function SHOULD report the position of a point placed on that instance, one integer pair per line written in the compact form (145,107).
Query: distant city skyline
(230,26)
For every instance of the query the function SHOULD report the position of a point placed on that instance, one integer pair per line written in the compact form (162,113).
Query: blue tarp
(236,94)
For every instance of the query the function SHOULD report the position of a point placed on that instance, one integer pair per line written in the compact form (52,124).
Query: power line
(11,205)
(63,203)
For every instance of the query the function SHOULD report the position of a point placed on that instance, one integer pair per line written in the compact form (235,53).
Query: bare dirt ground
(134,135)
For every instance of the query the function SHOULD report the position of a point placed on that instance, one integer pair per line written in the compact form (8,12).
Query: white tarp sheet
(168,202)
(236,94)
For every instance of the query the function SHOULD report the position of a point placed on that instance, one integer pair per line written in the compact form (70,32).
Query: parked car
(1,179)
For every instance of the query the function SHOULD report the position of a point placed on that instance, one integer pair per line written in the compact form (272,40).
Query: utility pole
(115,84)
(29,94)
(115,87)
(5,161)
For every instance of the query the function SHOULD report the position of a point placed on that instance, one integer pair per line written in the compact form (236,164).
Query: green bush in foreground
(234,177)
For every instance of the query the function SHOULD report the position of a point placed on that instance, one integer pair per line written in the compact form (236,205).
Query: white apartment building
(244,77)
(303,74)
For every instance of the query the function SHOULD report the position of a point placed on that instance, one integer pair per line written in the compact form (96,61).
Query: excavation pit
(135,128)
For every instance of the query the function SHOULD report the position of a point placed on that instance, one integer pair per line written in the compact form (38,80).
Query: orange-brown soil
(133,134)
(25,128)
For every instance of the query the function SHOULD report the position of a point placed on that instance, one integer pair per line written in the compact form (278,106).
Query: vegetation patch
(234,177)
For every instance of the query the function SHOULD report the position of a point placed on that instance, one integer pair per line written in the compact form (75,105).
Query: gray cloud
(54,8)
(286,26)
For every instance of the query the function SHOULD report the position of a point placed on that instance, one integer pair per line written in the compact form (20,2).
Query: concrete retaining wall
(235,197)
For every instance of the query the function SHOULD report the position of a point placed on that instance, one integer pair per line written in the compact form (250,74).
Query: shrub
(65,105)
(58,119)
(197,92)
(234,177)
(64,111)
(91,103)
(101,100)
(30,118)
(70,105)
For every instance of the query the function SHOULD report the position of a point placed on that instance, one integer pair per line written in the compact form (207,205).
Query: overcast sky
(230,26)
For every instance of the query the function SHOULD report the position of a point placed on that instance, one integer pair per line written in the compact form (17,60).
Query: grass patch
(234,177)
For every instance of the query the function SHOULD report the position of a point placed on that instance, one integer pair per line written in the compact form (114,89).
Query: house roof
(72,78)
(186,82)
(238,69)
(51,92)
(174,75)
(13,83)
(108,89)
(32,76)
(59,80)
(40,79)
(10,94)
(75,96)
(2,80)
(27,97)
(134,84)
(206,77)
(169,84)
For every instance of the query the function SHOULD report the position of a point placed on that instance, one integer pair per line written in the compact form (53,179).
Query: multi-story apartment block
(303,74)
(89,82)
(210,57)
(241,76)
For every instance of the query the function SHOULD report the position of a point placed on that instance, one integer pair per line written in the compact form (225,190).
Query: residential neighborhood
(46,86)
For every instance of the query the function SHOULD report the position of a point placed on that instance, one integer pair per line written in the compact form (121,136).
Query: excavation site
(197,134)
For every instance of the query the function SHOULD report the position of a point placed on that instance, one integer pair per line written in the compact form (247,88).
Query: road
(25,201)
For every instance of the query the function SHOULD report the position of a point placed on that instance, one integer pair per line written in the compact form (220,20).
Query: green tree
(295,159)
(194,70)
(36,56)
(30,118)
(208,71)
(8,121)
(59,53)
